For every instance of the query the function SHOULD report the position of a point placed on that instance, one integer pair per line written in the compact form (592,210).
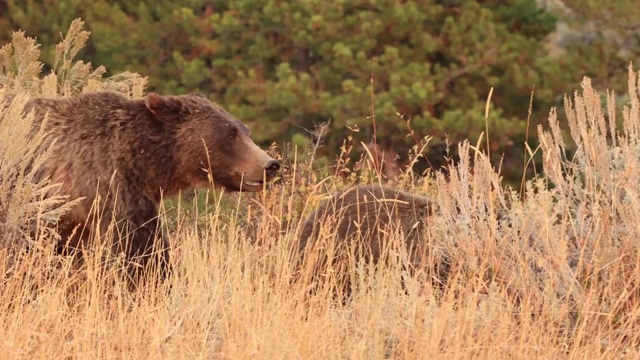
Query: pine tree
(284,66)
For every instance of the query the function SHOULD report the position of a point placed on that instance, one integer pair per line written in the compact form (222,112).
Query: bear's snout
(271,168)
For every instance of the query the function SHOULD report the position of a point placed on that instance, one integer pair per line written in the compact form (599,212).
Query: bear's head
(210,141)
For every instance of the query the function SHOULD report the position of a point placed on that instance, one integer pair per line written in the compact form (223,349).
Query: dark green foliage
(284,66)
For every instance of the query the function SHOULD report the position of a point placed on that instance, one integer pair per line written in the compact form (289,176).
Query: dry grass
(553,276)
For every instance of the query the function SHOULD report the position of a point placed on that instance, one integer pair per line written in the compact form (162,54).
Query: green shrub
(285,66)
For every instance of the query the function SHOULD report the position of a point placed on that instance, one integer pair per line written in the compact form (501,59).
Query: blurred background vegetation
(284,67)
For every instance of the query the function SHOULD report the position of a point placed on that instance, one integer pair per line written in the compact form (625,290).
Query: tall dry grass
(552,276)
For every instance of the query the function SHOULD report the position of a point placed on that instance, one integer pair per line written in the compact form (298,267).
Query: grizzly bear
(128,154)
(361,221)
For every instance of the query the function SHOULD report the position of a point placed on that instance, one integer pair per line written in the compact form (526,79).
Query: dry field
(551,274)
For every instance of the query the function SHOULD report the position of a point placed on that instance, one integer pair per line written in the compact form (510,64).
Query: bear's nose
(272,168)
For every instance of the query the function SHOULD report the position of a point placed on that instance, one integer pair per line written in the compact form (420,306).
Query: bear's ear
(163,106)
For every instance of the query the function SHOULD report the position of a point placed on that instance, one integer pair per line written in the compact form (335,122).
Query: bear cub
(362,221)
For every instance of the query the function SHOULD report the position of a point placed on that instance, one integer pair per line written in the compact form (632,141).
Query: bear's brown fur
(361,221)
(130,153)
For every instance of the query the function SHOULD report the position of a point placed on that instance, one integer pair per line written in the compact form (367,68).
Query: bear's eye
(233,133)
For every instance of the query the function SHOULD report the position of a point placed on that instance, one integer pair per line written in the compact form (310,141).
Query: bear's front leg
(144,245)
